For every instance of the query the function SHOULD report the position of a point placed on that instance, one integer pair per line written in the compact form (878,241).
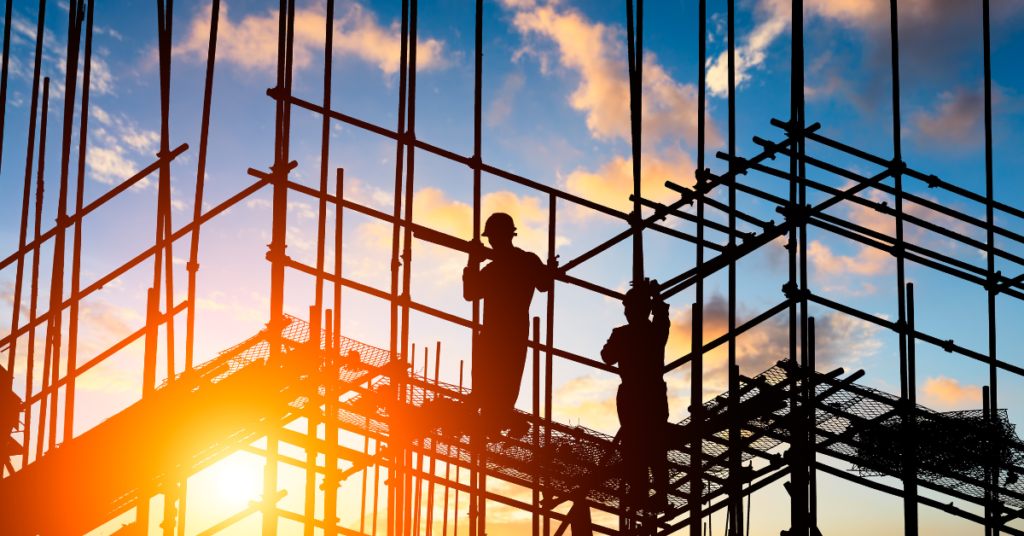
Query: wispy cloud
(109,155)
(868,262)
(252,42)
(501,106)
(955,120)
(752,49)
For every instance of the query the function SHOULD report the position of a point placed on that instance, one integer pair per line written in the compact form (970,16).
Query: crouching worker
(642,401)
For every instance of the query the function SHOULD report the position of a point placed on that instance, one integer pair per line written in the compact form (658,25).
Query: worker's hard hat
(642,293)
(499,223)
(637,296)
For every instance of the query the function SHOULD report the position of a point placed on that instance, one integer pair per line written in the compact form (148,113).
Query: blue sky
(554,111)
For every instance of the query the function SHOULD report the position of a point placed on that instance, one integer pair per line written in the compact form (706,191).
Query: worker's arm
(613,349)
(661,321)
(543,275)
(472,280)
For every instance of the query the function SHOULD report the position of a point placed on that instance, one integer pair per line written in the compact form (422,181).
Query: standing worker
(506,286)
(642,401)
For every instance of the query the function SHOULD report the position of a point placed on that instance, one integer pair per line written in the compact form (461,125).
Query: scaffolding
(305,369)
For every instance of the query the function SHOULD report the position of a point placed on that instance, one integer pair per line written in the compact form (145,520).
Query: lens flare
(238,483)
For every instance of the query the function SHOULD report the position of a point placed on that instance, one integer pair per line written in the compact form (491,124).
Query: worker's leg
(633,450)
(659,444)
(510,366)
(483,372)
(506,373)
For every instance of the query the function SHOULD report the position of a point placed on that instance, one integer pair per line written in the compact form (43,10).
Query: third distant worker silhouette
(642,400)
(506,286)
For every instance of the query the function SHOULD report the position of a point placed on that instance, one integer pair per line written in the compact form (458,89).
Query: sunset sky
(555,110)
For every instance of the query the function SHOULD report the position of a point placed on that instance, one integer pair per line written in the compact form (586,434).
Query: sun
(238,483)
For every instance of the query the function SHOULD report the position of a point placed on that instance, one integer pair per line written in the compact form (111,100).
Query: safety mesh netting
(957,451)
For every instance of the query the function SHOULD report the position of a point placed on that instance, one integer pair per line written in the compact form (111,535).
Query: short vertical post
(149,354)
(535,517)
(812,429)
(311,426)
(696,421)
(910,466)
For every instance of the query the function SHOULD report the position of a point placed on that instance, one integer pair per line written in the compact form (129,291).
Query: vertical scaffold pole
(549,331)
(76,256)
(696,341)
(797,268)
(696,399)
(535,516)
(277,255)
(735,515)
(394,507)
(407,238)
(165,19)
(433,448)
(315,310)
(53,335)
(20,269)
(987,412)
(909,480)
(30,153)
(330,482)
(911,461)
(697,311)
(812,430)
(339,194)
(163,218)
(806,449)
(197,205)
(36,258)
(989,235)
(477,512)
(3,88)
(635,52)
(455,515)
(331,492)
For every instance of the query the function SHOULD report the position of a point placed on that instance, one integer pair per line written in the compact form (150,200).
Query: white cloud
(109,165)
(596,53)
(252,42)
(931,32)
(753,48)
(612,184)
(108,155)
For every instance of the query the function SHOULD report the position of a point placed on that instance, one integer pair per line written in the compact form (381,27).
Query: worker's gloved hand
(476,255)
(658,305)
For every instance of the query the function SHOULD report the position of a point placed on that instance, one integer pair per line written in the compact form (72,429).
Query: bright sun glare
(238,483)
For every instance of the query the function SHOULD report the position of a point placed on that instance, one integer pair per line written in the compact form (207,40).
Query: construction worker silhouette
(506,286)
(642,400)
